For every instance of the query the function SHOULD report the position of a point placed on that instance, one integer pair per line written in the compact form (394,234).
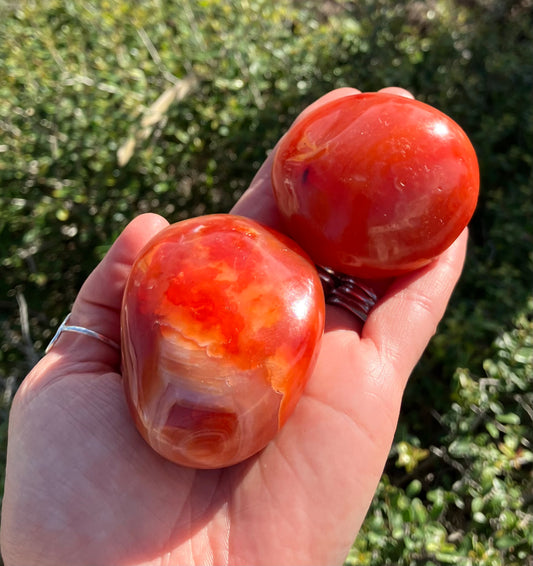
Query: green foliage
(112,108)
(82,87)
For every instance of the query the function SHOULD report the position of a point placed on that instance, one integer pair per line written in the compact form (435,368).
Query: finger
(404,320)
(328,97)
(258,201)
(397,90)
(97,306)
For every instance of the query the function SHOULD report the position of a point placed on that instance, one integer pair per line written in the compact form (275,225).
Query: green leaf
(508,418)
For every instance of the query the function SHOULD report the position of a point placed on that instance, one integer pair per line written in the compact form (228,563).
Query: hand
(82,487)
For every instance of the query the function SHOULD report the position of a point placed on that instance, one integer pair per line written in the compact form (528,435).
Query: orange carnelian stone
(221,324)
(375,185)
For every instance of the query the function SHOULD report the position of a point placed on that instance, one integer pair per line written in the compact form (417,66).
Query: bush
(115,108)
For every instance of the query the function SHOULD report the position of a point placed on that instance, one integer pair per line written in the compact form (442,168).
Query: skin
(82,487)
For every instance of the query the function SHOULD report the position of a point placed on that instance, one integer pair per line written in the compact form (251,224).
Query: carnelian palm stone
(221,324)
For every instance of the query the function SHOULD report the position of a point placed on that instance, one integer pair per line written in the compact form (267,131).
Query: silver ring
(64,327)
(348,292)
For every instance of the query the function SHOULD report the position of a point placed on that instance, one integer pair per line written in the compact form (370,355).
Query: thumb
(98,304)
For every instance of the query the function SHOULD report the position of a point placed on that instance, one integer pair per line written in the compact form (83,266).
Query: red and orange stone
(375,185)
(221,324)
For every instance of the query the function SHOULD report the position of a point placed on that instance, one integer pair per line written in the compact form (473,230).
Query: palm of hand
(89,458)
(113,497)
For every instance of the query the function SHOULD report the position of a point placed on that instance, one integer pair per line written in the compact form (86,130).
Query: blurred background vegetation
(112,108)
